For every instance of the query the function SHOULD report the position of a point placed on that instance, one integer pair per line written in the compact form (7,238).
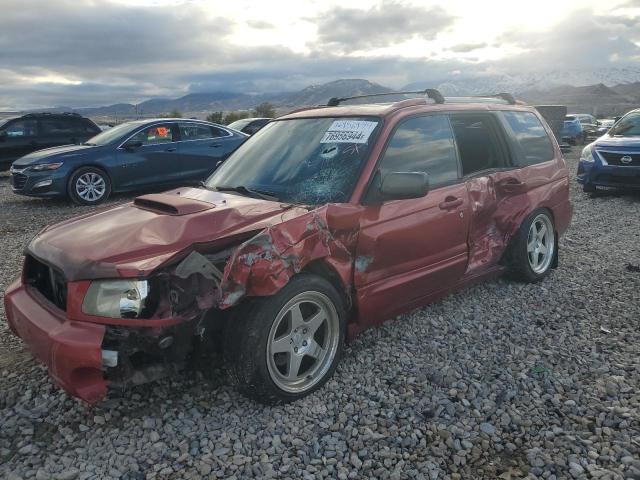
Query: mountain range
(613,93)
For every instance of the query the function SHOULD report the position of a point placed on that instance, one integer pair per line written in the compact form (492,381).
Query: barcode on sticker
(349,131)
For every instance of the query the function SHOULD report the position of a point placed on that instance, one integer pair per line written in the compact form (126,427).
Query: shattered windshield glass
(308,161)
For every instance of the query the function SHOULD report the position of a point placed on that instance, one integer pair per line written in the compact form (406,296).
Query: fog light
(109,358)
(43,183)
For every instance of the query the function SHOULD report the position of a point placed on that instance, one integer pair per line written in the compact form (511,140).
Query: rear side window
(194,131)
(534,145)
(83,125)
(423,144)
(154,135)
(57,126)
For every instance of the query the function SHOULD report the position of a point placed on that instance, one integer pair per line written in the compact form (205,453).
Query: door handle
(215,145)
(512,185)
(173,149)
(450,202)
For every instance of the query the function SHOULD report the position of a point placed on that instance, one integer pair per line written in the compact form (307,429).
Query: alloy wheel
(90,186)
(541,243)
(303,342)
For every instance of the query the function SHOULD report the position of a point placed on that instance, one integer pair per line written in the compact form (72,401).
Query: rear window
(534,145)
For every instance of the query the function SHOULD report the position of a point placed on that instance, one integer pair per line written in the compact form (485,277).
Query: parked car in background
(249,125)
(130,156)
(613,160)
(572,131)
(589,124)
(604,125)
(326,222)
(34,131)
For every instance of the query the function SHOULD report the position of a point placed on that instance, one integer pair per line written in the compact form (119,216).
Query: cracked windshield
(308,161)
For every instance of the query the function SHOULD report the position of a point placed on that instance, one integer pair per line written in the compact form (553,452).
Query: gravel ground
(502,380)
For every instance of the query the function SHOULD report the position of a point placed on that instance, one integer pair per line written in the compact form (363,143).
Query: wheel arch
(323,269)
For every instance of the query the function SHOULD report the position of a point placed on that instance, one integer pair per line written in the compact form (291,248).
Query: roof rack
(432,93)
(507,97)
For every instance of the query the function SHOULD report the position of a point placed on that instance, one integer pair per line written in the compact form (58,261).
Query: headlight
(116,298)
(45,166)
(587,154)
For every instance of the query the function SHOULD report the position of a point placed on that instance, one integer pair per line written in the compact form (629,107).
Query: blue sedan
(130,156)
(613,160)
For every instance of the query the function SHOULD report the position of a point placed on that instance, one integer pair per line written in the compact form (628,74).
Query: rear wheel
(533,249)
(89,186)
(284,347)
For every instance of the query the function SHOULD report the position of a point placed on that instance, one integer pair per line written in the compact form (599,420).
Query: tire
(527,261)
(94,177)
(264,340)
(588,188)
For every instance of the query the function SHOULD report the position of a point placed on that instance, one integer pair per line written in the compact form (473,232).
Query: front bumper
(50,183)
(71,350)
(591,173)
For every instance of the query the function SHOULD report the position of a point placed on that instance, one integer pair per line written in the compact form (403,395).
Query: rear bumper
(71,350)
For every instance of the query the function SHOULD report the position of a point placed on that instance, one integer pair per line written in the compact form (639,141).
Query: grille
(48,281)
(18,180)
(614,158)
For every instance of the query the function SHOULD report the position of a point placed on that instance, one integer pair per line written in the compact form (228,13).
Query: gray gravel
(502,380)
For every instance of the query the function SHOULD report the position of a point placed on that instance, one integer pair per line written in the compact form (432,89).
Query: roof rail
(507,97)
(34,114)
(432,93)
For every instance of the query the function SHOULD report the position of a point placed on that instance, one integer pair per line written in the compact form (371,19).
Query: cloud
(582,40)
(467,47)
(94,52)
(260,24)
(351,29)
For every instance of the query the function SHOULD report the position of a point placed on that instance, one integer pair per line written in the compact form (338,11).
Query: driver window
(154,135)
(21,128)
(422,144)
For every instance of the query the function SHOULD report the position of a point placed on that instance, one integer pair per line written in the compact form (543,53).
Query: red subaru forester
(326,222)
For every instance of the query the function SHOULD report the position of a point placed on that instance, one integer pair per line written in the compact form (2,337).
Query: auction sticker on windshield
(349,131)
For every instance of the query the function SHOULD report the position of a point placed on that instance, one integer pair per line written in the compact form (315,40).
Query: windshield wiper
(248,191)
(90,144)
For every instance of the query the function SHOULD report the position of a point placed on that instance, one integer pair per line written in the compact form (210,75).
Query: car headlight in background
(45,166)
(116,298)
(587,154)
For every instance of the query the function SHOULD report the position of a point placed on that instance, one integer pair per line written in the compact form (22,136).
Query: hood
(622,143)
(53,153)
(133,239)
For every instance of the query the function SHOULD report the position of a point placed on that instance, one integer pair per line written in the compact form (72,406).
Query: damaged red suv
(326,222)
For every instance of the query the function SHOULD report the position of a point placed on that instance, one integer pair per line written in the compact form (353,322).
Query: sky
(97,52)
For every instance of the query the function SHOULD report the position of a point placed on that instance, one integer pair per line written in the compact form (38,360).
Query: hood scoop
(171,204)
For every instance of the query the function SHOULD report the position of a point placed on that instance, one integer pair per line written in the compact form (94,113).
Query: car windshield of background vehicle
(308,161)
(628,126)
(115,133)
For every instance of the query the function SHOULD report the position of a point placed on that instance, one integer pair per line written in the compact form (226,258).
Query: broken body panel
(211,250)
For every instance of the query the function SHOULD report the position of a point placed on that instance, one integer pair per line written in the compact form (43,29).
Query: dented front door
(410,249)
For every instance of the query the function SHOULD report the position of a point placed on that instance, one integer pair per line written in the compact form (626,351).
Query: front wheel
(533,248)
(89,186)
(281,348)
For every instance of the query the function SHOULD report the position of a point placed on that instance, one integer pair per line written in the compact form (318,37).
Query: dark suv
(35,131)
(326,222)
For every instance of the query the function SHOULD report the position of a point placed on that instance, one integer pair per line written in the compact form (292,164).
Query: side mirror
(3,135)
(404,185)
(132,144)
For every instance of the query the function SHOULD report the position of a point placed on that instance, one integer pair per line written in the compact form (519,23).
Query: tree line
(264,110)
